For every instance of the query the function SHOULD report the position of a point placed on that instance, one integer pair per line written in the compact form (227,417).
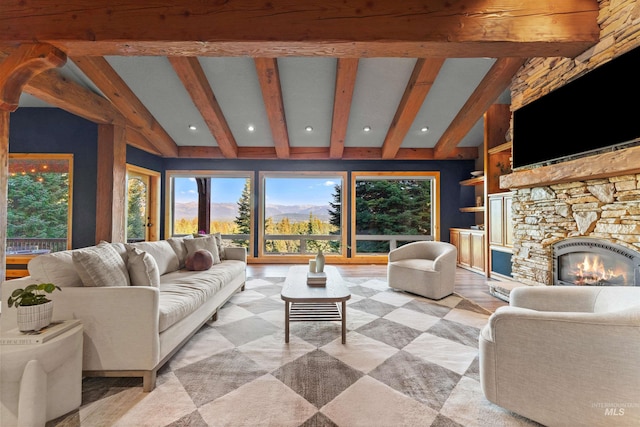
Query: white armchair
(565,356)
(423,268)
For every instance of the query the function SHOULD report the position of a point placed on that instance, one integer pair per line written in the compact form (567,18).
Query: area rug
(408,361)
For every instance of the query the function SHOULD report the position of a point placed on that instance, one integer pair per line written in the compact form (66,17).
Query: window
(39,203)
(393,208)
(143,211)
(301,213)
(229,198)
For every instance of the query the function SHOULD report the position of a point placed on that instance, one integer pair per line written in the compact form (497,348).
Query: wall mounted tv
(597,111)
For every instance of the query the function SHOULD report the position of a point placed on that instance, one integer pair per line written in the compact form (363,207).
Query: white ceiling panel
(380,84)
(457,80)
(236,87)
(155,83)
(308,86)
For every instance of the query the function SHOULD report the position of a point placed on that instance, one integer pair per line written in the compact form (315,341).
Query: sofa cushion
(162,252)
(177,243)
(100,265)
(56,268)
(183,291)
(143,269)
(220,246)
(199,260)
(207,242)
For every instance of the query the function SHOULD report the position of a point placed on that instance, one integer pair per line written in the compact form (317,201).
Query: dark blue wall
(50,130)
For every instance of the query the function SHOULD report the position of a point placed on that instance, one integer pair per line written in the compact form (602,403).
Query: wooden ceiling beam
(21,65)
(269,79)
(138,140)
(496,81)
(122,97)
(420,83)
(55,89)
(346,71)
(195,81)
(384,28)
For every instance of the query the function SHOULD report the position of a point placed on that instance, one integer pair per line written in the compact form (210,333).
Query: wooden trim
(111,189)
(4,188)
(153,179)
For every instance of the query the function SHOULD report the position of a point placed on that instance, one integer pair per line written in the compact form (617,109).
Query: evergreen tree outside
(335,217)
(243,220)
(38,201)
(136,209)
(391,207)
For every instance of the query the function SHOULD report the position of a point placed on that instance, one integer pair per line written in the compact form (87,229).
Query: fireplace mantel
(605,165)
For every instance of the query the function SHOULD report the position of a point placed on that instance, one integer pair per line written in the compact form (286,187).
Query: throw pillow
(207,242)
(143,269)
(221,253)
(100,265)
(200,260)
(177,243)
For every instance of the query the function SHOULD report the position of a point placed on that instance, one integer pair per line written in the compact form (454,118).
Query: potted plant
(35,310)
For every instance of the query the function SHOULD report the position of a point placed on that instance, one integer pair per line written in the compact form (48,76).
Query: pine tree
(135,210)
(243,220)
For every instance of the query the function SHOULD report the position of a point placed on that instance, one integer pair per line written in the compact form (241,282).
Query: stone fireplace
(601,216)
(594,262)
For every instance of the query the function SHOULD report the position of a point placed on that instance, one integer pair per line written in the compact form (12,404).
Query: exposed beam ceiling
(195,42)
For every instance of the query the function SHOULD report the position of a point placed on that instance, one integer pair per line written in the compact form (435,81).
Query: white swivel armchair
(565,355)
(423,268)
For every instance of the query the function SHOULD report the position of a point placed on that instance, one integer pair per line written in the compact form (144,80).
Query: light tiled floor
(408,361)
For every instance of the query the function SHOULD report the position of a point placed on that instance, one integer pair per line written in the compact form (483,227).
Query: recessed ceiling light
(424,129)
(192,127)
(308,128)
(250,128)
(367,128)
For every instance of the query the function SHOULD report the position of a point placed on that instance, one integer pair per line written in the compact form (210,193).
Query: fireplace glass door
(595,262)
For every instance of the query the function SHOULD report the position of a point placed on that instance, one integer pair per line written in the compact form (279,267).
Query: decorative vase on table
(320,261)
(34,317)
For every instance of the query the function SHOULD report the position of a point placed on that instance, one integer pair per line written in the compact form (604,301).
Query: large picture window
(301,213)
(39,203)
(393,208)
(230,206)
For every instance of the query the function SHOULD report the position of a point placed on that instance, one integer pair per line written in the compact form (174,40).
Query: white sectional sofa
(137,316)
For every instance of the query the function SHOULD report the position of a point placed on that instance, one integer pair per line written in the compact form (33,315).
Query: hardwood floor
(468,284)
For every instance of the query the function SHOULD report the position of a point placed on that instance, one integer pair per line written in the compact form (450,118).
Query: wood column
(4,190)
(204,204)
(111,187)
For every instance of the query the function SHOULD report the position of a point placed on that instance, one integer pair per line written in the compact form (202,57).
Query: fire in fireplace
(595,262)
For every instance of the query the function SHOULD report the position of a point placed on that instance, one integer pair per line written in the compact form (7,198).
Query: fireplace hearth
(594,262)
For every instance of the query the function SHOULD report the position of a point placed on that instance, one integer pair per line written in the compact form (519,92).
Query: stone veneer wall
(605,208)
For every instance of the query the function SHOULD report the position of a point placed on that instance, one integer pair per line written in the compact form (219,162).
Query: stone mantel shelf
(614,163)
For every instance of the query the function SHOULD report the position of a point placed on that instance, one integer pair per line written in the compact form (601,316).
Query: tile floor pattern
(408,361)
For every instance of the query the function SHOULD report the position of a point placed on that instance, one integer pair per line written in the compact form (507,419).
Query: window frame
(23,259)
(292,258)
(170,195)
(434,176)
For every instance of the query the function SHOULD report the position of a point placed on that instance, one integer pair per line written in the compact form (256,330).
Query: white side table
(40,382)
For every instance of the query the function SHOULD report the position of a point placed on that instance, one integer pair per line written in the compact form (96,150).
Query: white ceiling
(308,85)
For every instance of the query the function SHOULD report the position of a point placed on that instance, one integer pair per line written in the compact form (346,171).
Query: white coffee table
(304,303)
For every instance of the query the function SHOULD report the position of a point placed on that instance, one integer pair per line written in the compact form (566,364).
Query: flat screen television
(597,111)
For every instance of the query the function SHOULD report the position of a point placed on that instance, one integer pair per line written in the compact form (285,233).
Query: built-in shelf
(472,209)
(473,181)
